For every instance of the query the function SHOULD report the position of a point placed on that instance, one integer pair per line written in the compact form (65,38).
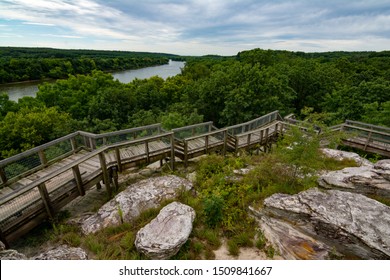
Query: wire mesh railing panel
(21,166)
(19,206)
(57,150)
(190,132)
(79,140)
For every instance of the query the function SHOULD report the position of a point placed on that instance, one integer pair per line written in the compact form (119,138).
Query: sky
(197,27)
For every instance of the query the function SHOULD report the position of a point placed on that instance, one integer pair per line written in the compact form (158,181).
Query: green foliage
(213,206)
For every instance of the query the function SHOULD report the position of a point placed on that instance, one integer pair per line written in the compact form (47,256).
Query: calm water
(16,91)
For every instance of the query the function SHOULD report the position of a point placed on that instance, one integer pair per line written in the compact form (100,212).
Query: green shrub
(213,207)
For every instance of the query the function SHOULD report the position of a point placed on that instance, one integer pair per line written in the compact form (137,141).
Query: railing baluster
(147,152)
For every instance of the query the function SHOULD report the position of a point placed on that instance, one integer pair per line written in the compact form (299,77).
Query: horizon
(197,27)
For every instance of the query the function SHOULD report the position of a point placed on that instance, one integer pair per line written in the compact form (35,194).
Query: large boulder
(62,252)
(369,180)
(138,197)
(350,223)
(163,237)
(341,155)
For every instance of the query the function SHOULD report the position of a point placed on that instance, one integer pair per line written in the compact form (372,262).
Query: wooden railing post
(79,180)
(225,135)
(118,159)
(46,200)
(92,143)
(3,176)
(249,140)
(172,152)
(73,143)
(106,178)
(266,138)
(207,144)
(42,157)
(147,152)
(4,240)
(185,153)
(114,176)
(104,141)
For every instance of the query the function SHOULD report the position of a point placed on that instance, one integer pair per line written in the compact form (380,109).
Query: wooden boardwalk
(36,184)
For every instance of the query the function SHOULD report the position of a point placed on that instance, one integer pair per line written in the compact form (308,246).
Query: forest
(332,87)
(26,64)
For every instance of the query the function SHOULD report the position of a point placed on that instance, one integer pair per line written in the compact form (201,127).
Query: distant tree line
(23,64)
(225,90)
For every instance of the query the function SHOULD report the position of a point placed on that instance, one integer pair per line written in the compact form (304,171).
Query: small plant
(210,236)
(270,251)
(260,241)
(120,213)
(127,242)
(213,206)
(72,239)
(233,247)
(243,239)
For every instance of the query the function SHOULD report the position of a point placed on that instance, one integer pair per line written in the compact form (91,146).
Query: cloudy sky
(197,27)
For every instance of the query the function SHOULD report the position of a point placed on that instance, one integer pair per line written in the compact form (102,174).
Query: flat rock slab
(340,155)
(163,237)
(370,180)
(357,226)
(138,197)
(291,243)
(62,252)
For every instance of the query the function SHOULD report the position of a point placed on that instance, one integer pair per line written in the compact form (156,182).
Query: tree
(27,128)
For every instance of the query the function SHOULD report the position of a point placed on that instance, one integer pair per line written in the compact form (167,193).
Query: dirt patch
(251,253)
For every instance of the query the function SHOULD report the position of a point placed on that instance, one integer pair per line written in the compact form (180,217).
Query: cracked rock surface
(356,226)
(138,197)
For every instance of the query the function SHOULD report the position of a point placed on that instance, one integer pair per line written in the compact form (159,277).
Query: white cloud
(203,26)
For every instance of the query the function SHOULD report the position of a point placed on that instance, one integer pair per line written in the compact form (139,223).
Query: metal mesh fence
(58,150)
(18,207)
(21,166)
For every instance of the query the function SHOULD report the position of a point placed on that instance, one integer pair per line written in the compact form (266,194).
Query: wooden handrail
(77,162)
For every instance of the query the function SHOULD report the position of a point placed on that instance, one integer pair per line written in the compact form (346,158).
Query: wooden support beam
(207,144)
(106,178)
(46,200)
(79,180)
(114,175)
(147,152)
(172,152)
(118,159)
(225,139)
(185,153)
(4,240)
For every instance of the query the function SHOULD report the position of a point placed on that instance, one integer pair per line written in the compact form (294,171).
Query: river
(173,68)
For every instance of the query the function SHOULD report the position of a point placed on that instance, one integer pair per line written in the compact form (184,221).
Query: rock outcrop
(163,237)
(10,254)
(138,197)
(340,155)
(351,224)
(368,180)
(62,252)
